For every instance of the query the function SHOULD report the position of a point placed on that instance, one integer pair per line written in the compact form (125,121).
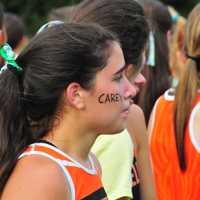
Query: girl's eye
(130,73)
(118,77)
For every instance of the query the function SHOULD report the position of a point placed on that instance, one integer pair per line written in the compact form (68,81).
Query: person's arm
(36,177)
(138,131)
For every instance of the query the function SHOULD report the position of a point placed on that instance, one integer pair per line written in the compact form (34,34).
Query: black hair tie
(194,58)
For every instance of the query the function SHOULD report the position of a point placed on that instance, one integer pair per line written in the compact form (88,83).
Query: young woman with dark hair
(47,118)
(126,19)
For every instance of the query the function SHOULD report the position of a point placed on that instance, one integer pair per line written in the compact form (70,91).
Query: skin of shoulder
(137,129)
(36,177)
(136,126)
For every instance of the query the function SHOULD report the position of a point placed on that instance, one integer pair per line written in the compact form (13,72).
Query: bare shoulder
(136,126)
(36,177)
(136,117)
(135,113)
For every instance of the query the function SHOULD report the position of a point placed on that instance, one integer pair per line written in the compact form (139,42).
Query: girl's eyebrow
(121,70)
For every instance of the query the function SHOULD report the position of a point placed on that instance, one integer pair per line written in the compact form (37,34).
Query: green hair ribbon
(8,56)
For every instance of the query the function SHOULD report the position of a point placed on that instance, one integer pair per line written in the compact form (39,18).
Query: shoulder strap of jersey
(32,150)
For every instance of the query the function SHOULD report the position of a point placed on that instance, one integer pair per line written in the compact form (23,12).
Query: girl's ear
(74,96)
(169,36)
(181,56)
(1,37)
(3,40)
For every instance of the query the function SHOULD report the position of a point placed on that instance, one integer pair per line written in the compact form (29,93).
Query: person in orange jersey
(50,115)
(174,126)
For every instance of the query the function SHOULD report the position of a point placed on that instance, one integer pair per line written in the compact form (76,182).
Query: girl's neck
(74,140)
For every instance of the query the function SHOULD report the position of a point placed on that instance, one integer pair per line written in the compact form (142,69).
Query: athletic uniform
(84,183)
(119,174)
(171,182)
(135,181)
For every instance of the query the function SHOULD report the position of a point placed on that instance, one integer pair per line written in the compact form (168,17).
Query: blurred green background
(34,12)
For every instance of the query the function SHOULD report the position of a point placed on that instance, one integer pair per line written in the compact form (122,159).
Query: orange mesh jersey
(171,182)
(84,183)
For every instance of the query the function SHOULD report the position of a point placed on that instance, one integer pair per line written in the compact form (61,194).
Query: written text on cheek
(109,98)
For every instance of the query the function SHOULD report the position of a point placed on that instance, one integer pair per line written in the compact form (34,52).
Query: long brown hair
(157,76)
(189,82)
(176,43)
(125,18)
(49,64)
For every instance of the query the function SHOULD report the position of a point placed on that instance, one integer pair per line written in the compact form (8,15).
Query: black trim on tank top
(46,142)
(97,195)
(135,187)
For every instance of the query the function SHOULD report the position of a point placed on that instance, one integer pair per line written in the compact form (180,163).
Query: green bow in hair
(9,57)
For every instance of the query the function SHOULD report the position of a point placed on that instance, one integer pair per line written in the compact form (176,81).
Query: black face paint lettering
(118,98)
(101,97)
(112,96)
(109,98)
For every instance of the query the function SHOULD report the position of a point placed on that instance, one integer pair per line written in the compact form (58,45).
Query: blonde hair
(186,90)
(176,43)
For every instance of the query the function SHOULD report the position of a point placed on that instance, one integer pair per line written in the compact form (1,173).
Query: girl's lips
(125,113)
(131,101)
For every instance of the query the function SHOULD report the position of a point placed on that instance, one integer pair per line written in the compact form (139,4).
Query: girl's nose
(130,90)
(139,80)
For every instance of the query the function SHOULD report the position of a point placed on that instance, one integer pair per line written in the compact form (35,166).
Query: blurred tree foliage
(34,13)
(183,6)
